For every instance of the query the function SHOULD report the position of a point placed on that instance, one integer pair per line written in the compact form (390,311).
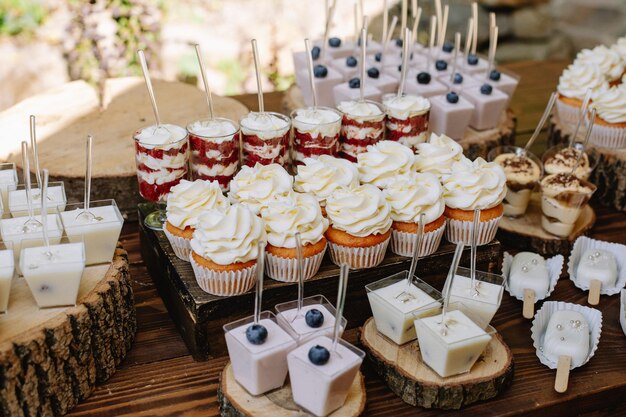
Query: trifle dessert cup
(407,118)
(315,132)
(18,204)
(7,270)
(265,138)
(8,182)
(561,159)
(363,124)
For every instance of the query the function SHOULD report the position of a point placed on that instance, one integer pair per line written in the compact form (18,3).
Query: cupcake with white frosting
(572,87)
(360,226)
(607,60)
(609,129)
(438,155)
(225,250)
(384,161)
(255,186)
(284,217)
(409,196)
(474,185)
(185,204)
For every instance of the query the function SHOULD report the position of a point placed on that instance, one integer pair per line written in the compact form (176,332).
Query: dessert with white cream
(265,138)
(567,334)
(7,269)
(315,132)
(383,162)
(523,171)
(363,124)
(407,118)
(563,197)
(479,299)
(255,186)
(450,115)
(316,318)
(18,203)
(323,175)
(562,161)
(437,155)
(597,265)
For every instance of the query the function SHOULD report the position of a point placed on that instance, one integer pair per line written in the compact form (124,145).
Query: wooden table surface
(159,378)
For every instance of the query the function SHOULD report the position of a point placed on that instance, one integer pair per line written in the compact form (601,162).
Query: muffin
(284,217)
(609,129)
(473,185)
(255,186)
(409,196)
(225,250)
(185,203)
(382,162)
(360,226)
(572,87)
(437,155)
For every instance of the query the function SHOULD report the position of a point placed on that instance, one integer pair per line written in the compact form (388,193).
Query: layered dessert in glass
(7,269)
(315,132)
(563,196)
(265,138)
(407,118)
(363,124)
(561,159)
(8,182)
(214,150)
(316,318)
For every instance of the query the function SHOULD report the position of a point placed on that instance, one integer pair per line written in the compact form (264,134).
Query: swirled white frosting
(361,211)
(255,186)
(577,79)
(264,125)
(437,155)
(360,110)
(188,200)
(415,193)
(317,122)
(611,106)
(478,184)
(323,175)
(607,60)
(405,106)
(159,135)
(382,162)
(620,48)
(296,212)
(216,130)
(229,236)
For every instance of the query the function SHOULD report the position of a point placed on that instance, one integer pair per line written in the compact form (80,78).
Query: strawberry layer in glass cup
(214,150)
(315,132)
(162,157)
(407,118)
(265,138)
(363,124)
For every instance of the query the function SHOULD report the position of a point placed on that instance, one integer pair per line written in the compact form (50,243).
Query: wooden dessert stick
(257,70)
(443,28)
(594,292)
(475,29)
(457,46)
(468,40)
(383,35)
(416,25)
(493,44)
(329,20)
(528,308)
(438,14)
(394,22)
(356,21)
(431,40)
(405,8)
(562,373)
(309,60)
(413,9)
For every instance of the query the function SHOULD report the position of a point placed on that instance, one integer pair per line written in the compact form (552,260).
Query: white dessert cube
(465,81)
(343,92)
(7,270)
(507,83)
(417,85)
(597,264)
(489,103)
(450,118)
(288,317)
(385,83)
(18,205)
(324,86)
(347,67)
(473,65)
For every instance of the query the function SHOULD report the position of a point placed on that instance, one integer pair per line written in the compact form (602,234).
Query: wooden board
(67,114)
(51,359)
(526,232)
(236,402)
(200,316)
(475,143)
(416,384)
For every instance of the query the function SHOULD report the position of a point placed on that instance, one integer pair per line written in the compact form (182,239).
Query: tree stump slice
(402,369)
(610,173)
(66,115)
(475,143)
(51,359)
(237,402)
(526,232)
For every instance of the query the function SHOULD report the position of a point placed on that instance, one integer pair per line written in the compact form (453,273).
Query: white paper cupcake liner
(286,269)
(584,243)
(358,258)
(403,243)
(224,283)
(461,231)
(554,264)
(180,245)
(542,318)
(622,311)
(568,115)
(608,137)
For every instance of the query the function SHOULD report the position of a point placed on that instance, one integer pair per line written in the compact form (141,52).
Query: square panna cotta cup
(347,67)
(309,325)
(8,182)
(450,115)
(7,270)
(473,64)
(384,82)
(489,103)
(460,82)
(422,83)
(395,309)
(100,234)
(350,91)
(502,80)
(259,367)
(53,273)
(326,78)
(322,388)
(18,205)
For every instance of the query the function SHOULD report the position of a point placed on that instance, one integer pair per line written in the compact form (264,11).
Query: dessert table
(159,376)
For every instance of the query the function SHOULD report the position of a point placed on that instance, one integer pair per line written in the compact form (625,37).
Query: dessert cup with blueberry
(265,138)
(489,104)
(450,114)
(325,77)
(423,83)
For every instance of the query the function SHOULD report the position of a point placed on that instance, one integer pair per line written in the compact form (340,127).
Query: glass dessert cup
(311,138)
(518,193)
(214,157)
(482,302)
(560,211)
(159,168)
(287,312)
(53,273)
(99,233)
(455,350)
(8,182)
(582,172)
(395,309)
(358,132)
(18,205)
(263,367)
(408,131)
(7,270)
(321,389)
(265,145)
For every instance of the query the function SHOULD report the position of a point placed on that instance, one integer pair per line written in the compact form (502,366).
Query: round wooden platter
(66,115)
(610,173)
(526,232)
(50,359)
(475,143)
(236,402)
(401,367)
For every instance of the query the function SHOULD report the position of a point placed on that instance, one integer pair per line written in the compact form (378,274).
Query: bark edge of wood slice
(47,367)
(235,401)
(418,385)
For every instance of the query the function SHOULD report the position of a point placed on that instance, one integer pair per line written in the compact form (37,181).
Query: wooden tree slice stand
(50,359)
(236,402)
(66,115)
(401,367)
(475,143)
(610,174)
(526,232)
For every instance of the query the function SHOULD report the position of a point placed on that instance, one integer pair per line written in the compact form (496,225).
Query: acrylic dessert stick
(431,40)
(544,118)
(260,270)
(448,286)
(44,211)
(581,117)
(146,77)
(205,81)
(474,238)
(86,216)
(475,27)
(468,40)
(31,224)
(405,294)
(35,150)
(309,60)
(592,120)
(457,46)
(405,62)
(257,70)
(300,273)
(363,55)
(493,44)
(341,302)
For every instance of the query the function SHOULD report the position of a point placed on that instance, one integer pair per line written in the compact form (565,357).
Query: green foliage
(21,17)
(235,75)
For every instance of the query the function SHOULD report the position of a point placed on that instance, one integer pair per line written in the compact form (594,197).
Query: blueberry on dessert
(351,61)
(378,56)
(423,78)
(320,71)
(334,42)
(314,318)
(458,78)
(447,47)
(256,334)
(486,89)
(373,72)
(354,82)
(319,355)
(494,75)
(472,59)
(452,97)
(441,65)
(315,52)
(399,42)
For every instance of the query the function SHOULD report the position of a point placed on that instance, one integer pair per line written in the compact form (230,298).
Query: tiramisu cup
(265,138)
(363,124)
(315,132)
(561,159)
(407,118)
